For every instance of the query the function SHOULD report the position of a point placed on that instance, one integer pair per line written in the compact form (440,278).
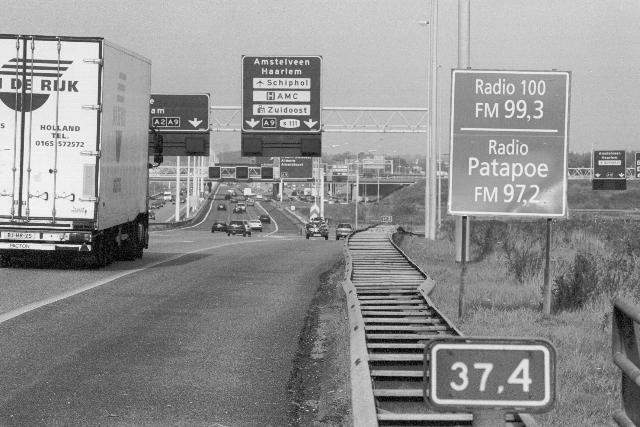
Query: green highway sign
(296,167)
(609,164)
(281,94)
(179,113)
(609,170)
(509,137)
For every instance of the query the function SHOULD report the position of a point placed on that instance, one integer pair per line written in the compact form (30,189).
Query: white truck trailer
(74,117)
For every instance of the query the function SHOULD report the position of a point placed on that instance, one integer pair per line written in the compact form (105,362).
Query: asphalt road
(202,331)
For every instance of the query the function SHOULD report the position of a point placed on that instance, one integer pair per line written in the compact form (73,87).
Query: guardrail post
(625,348)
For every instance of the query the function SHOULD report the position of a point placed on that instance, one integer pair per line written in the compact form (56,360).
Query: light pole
(356,194)
(365,186)
(393,160)
(430,172)
(378,199)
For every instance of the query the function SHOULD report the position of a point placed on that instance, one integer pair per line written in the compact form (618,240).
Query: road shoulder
(319,384)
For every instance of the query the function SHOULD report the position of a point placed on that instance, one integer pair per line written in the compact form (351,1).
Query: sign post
(490,376)
(281,109)
(509,142)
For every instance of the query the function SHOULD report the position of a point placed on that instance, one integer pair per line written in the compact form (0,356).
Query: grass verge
(497,304)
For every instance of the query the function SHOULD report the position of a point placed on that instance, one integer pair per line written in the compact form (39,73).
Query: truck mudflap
(25,246)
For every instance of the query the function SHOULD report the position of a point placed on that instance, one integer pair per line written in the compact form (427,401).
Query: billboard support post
(177,216)
(189,178)
(546,297)
(464,42)
(356,193)
(463,266)
(281,189)
(321,189)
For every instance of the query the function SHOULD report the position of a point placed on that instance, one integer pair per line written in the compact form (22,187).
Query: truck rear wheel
(140,239)
(5,261)
(99,253)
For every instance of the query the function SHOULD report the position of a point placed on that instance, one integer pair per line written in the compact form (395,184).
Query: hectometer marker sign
(477,373)
(509,134)
(281,94)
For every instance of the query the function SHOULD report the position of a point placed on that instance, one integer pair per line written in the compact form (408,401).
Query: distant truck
(74,119)
(247,192)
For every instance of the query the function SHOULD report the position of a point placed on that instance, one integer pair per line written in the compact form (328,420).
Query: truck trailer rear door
(49,127)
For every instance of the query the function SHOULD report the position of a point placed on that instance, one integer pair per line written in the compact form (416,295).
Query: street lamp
(430,173)
(393,160)
(365,185)
(356,193)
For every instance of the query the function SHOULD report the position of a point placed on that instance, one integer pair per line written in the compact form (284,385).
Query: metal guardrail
(625,348)
(362,401)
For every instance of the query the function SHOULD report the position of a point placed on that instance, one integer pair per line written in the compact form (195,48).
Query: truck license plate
(12,235)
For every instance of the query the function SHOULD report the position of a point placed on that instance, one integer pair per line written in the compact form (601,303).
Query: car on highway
(343,230)
(265,219)
(219,225)
(317,229)
(255,224)
(240,208)
(318,220)
(222,207)
(251,201)
(239,226)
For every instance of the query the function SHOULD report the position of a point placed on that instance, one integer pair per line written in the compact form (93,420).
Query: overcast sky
(374,52)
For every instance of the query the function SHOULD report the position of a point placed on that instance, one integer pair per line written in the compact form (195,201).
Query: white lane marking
(38,304)
(215,193)
(273,220)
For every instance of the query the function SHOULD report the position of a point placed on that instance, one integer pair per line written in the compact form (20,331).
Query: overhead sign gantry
(281,108)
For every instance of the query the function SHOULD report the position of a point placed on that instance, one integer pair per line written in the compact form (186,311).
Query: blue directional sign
(179,113)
